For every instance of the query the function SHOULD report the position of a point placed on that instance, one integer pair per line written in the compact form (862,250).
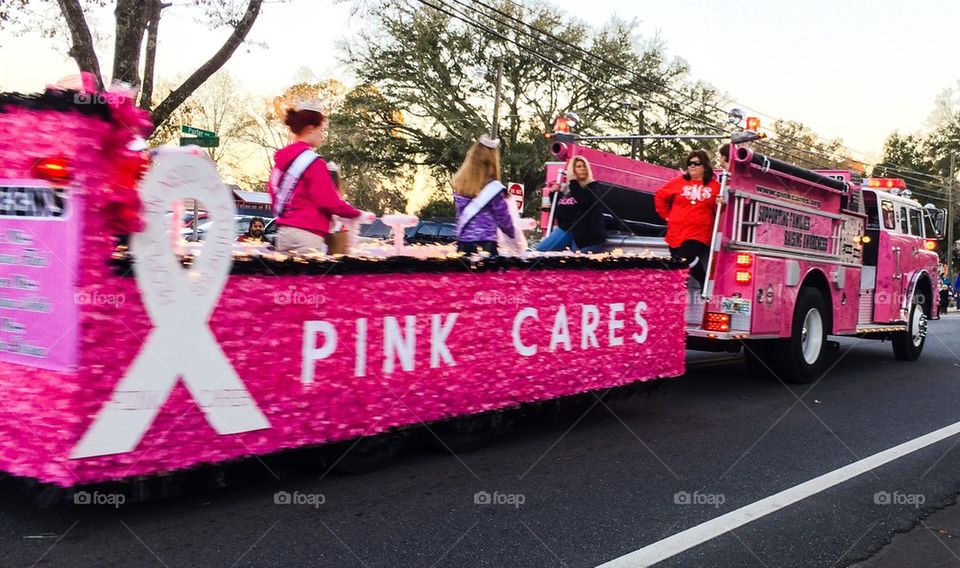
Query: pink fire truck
(798,255)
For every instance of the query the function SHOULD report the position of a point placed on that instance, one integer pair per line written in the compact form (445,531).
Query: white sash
(477,204)
(290,179)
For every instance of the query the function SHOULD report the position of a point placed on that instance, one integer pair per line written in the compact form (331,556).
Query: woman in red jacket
(688,203)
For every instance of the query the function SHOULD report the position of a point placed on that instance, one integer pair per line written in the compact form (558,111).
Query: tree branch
(181,93)
(82,49)
(132,17)
(153,24)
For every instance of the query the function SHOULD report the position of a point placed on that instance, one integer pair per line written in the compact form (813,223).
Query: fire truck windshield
(916,222)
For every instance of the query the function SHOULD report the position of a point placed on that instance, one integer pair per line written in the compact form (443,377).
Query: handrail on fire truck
(740,137)
(577,137)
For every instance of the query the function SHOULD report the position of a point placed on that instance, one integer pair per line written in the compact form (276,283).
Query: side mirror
(735,116)
(938,219)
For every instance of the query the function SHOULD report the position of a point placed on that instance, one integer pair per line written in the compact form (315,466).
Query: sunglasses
(691,163)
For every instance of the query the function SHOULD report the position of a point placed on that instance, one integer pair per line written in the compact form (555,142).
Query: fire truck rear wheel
(908,345)
(802,355)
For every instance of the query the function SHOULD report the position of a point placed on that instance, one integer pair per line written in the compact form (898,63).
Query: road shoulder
(934,541)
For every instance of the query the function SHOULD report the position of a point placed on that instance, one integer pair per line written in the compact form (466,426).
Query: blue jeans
(589,249)
(558,239)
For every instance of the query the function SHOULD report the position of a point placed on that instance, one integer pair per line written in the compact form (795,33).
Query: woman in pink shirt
(304,196)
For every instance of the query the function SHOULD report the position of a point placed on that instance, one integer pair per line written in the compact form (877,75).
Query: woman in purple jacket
(481,199)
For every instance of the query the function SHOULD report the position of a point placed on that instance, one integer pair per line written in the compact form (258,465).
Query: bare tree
(134,20)
(221,106)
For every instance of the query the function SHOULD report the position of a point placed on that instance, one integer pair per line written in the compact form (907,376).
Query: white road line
(694,536)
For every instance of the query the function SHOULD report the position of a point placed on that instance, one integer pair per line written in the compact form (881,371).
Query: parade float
(142,359)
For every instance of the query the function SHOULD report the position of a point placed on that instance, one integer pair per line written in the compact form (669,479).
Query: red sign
(515,190)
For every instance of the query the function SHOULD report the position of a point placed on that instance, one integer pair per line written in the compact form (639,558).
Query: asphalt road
(576,491)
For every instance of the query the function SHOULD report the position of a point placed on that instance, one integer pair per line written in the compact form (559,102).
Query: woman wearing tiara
(481,199)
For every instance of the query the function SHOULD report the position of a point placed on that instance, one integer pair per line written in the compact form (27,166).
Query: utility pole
(643,131)
(950,219)
(638,144)
(495,128)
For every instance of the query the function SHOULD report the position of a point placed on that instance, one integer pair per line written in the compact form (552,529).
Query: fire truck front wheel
(907,345)
(802,355)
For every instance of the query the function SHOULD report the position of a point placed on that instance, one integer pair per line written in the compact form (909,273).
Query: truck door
(891,255)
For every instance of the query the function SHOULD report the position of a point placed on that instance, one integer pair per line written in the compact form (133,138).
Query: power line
(915,172)
(614,64)
(579,74)
(574,72)
(622,68)
(475,23)
(660,84)
(666,87)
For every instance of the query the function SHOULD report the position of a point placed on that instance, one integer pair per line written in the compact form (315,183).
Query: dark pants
(478,246)
(695,254)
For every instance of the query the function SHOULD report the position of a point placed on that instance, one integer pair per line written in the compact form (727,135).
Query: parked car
(270,232)
(376,230)
(241,224)
(186,220)
(436,231)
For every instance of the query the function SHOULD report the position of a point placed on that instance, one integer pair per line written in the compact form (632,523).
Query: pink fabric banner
(332,358)
(300,360)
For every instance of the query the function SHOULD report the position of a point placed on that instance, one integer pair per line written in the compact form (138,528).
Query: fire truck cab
(798,255)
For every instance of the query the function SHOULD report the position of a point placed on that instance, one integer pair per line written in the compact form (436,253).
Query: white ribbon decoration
(179,302)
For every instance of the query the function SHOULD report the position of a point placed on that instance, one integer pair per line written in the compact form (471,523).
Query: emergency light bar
(887,183)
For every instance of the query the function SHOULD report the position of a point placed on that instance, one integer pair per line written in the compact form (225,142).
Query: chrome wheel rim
(811,338)
(918,326)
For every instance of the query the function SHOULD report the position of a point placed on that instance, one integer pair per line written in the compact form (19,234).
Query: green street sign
(202,142)
(198,132)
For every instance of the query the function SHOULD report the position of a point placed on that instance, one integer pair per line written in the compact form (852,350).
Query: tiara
(489,142)
(312,105)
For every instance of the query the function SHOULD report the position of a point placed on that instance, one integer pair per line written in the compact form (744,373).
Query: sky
(849,69)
